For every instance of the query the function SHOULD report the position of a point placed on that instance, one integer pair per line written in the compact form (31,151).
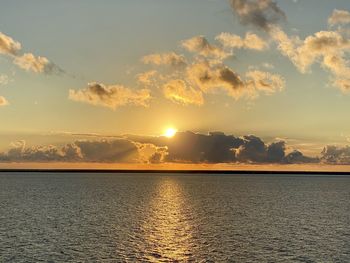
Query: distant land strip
(146,171)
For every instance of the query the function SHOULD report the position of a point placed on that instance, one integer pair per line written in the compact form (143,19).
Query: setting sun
(170,132)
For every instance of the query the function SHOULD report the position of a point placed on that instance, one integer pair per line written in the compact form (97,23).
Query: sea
(102,217)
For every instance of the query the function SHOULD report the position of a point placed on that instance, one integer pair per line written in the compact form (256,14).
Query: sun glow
(170,132)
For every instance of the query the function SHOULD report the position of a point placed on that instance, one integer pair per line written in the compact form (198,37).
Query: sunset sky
(113,76)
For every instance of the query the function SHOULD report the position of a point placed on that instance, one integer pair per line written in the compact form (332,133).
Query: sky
(115,75)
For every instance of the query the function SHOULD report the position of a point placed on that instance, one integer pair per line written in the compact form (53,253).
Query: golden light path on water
(167,228)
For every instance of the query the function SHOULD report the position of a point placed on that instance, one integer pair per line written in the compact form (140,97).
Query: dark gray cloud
(103,151)
(196,148)
(20,153)
(119,150)
(276,152)
(259,13)
(184,147)
(253,149)
(216,147)
(332,154)
(297,157)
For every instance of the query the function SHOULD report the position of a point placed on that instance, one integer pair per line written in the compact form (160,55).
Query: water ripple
(161,218)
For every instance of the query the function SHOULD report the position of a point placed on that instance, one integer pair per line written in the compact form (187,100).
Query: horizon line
(174,171)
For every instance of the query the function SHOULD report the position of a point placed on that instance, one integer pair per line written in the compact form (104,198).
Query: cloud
(265,81)
(253,149)
(201,46)
(111,96)
(216,147)
(343,84)
(251,41)
(149,153)
(259,13)
(119,150)
(3,101)
(328,45)
(102,151)
(196,148)
(184,147)
(297,157)
(328,48)
(339,17)
(332,154)
(268,65)
(178,91)
(210,78)
(204,77)
(171,59)
(146,78)
(4,79)
(275,152)
(26,61)
(206,73)
(285,44)
(39,64)
(20,153)
(8,46)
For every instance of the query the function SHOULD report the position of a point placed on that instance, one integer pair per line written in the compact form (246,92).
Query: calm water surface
(169,218)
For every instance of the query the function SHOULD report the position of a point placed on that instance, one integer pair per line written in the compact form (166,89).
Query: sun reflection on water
(167,229)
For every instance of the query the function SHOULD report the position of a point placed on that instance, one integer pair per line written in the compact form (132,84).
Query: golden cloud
(112,96)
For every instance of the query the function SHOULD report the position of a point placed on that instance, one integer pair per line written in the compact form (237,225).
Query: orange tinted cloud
(339,17)
(26,61)
(3,101)
(178,91)
(250,41)
(171,59)
(112,96)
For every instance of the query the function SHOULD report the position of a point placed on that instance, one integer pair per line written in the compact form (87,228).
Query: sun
(170,132)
